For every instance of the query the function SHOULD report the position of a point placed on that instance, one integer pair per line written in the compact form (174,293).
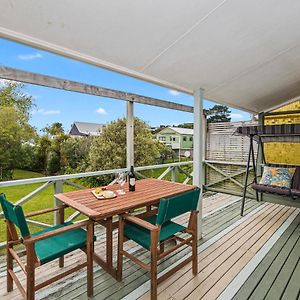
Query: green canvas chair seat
(142,236)
(59,245)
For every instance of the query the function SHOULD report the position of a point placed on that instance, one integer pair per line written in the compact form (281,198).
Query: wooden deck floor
(253,257)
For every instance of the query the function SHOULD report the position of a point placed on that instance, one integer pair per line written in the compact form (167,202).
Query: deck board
(216,261)
(292,290)
(205,259)
(229,242)
(286,272)
(273,278)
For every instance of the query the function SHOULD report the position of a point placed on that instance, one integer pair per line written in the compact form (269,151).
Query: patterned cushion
(281,177)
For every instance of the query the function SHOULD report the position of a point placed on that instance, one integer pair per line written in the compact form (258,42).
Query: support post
(198,150)
(246,175)
(204,141)
(58,188)
(174,174)
(130,135)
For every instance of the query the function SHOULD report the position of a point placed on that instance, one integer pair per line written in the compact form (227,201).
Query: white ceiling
(242,53)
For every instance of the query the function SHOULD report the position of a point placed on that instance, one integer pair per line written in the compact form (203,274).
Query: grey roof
(180,130)
(86,128)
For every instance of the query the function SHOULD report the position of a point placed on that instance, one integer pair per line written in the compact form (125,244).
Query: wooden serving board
(101,197)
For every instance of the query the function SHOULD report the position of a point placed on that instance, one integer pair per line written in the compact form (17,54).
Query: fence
(226,157)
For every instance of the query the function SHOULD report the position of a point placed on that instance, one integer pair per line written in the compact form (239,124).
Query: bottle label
(132,181)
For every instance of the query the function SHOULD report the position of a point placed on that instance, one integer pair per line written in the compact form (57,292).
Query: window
(184,138)
(191,139)
(162,138)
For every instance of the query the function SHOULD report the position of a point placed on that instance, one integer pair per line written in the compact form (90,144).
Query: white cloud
(4,82)
(237,117)
(174,93)
(30,56)
(101,111)
(45,112)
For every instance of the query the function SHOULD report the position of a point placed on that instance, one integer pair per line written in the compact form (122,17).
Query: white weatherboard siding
(242,53)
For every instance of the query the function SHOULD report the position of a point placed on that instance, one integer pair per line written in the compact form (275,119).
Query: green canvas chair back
(14,213)
(172,207)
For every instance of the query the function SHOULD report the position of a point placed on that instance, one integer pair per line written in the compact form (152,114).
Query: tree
(15,130)
(218,113)
(55,129)
(108,151)
(12,95)
(74,152)
(52,142)
(186,125)
(43,149)
(27,157)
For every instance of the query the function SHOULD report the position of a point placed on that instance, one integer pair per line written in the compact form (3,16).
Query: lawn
(155,173)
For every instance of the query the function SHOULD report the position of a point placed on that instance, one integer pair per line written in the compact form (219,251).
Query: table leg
(107,264)
(109,243)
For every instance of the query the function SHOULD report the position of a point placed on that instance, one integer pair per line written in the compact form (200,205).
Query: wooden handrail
(55,232)
(140,222)
(44,211)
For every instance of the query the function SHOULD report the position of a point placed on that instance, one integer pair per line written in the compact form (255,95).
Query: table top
(147,192)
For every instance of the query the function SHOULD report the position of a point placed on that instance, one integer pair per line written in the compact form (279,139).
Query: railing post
(130,135)
(174,174)
(58,188)
(198,151)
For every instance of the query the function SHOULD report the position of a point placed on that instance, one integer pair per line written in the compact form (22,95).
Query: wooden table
(148,192)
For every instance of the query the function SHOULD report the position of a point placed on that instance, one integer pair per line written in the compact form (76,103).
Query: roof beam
(74,86)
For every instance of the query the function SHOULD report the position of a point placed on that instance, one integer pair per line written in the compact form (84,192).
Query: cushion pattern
(281,177)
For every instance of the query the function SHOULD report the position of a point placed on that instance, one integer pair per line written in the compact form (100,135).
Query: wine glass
(121,180)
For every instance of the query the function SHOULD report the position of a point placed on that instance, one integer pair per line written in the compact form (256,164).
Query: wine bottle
(131,180)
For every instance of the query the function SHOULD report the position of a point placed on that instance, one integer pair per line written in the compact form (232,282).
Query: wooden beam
(74,86)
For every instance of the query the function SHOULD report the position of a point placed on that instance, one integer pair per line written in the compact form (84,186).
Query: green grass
(155,173)
(43,200)
(23,174)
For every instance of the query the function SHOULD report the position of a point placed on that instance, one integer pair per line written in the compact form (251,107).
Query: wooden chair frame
(32,261)
(157,254)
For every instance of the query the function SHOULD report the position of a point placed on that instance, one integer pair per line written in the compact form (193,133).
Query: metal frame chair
(44,246)
(157,230)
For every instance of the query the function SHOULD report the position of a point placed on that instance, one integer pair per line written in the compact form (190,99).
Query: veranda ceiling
(242,53)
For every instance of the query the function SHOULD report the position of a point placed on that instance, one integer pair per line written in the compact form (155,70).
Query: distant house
(179,139)
(85,129)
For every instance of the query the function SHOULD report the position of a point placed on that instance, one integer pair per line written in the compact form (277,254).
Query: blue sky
(66,107)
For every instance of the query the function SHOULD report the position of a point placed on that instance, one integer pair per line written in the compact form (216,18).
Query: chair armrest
(140,222)
(44,211)
(58,231)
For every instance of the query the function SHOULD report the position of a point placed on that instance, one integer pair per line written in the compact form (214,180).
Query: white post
(198,150)
(58,188)
(130,135)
